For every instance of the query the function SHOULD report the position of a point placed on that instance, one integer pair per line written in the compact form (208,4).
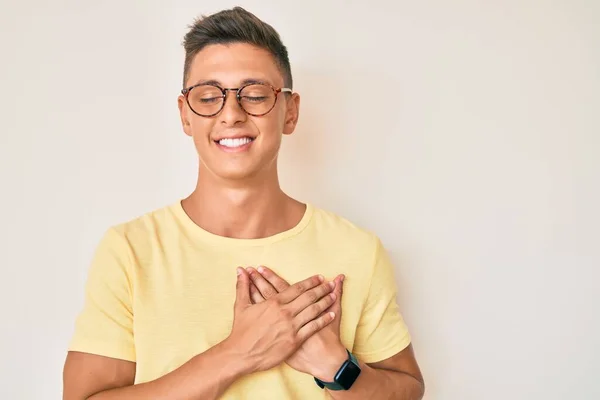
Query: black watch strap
(345,377)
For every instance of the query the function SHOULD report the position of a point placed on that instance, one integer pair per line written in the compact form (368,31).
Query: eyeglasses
(256,99)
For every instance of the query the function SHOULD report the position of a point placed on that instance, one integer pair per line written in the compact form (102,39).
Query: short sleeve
(105,325)
(381,331)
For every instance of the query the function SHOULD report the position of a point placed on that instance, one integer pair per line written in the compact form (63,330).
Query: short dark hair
(235,26)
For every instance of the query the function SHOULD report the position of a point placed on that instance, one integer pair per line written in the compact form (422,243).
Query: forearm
(206,376)
(381,384)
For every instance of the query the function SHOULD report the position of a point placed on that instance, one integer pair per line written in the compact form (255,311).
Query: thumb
(242,298)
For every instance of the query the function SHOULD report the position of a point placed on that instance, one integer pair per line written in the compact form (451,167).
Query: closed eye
(254,99)
(210,100)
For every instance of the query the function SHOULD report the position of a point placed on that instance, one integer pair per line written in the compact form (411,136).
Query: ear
(183,114)
(291,114)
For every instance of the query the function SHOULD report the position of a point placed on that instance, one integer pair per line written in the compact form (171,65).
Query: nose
(232,112)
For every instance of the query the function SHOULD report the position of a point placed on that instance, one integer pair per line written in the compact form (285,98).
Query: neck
(244,209)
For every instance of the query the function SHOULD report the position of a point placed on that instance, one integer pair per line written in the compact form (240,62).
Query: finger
(255,294)
(336,307)
(265,288)
(339,291)
(314,310)
(340,282)
(278,283)
(314,326)
(299,288)
(242,295)
(310,297)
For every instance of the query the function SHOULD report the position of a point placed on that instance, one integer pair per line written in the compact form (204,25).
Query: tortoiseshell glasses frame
(263,103)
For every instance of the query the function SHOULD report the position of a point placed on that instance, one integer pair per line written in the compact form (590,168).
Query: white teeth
(237,142)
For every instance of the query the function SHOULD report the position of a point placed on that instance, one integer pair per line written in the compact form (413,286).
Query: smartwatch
(345,377)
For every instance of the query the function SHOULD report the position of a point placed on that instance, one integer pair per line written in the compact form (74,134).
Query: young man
(166,316)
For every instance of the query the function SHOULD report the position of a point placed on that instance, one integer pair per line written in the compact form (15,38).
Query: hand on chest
(189,298)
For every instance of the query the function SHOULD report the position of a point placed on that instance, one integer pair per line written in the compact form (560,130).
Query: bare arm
(206,376)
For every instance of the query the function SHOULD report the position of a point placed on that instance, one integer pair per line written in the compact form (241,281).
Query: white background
(465,133)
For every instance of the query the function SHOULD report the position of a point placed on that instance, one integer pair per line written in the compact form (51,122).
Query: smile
(233,143)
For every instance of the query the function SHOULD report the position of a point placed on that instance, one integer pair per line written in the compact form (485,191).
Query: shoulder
(139,231)
(333,227)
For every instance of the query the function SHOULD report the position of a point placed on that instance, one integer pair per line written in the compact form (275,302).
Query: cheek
(271,125)
(200,128)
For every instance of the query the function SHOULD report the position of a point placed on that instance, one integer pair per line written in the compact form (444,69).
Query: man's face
(230,66)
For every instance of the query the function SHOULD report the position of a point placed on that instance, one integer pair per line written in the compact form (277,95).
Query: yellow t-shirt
(161,290)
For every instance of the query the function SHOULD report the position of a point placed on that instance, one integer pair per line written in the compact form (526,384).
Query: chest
(183,299)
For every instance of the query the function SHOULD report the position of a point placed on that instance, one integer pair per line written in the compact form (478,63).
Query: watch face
(347,374)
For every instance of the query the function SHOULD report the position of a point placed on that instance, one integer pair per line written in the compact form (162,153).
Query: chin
(232,175)
(241,169)
(236,172)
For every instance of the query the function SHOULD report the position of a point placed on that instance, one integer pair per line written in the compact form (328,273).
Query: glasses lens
(205,99)
(257,99)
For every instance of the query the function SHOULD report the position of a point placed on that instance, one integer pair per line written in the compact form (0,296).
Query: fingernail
(332,314)
(321,278)
(332,296)
(332,284)
(239,271)
(261,269)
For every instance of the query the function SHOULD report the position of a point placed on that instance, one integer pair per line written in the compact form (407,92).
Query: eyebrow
(246,81)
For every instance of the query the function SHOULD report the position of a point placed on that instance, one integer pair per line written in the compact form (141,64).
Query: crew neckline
(206,236)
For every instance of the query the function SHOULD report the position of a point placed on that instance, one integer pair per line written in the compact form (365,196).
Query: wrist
(331,363)
(237,363)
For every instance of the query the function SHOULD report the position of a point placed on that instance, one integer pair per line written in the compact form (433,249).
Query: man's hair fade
(235,26)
